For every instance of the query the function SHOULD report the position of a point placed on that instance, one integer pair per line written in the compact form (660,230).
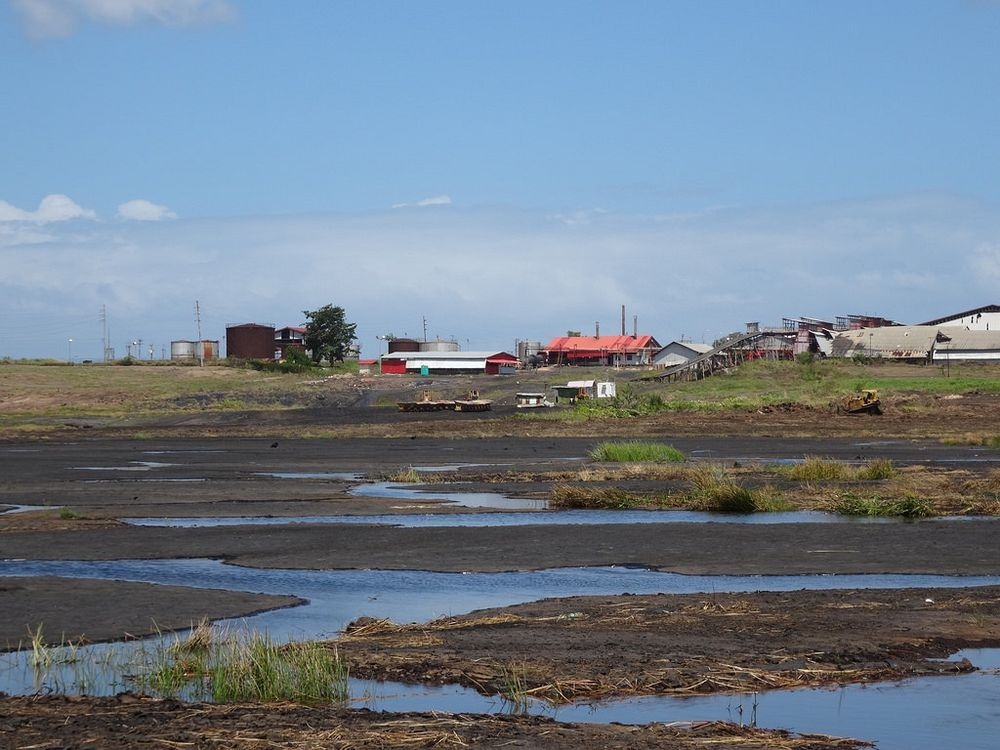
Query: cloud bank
(487,277)
(61,18)
(143,210)
(436,200)
(56,207)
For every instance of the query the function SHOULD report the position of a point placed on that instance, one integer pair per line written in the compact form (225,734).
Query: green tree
(328,334)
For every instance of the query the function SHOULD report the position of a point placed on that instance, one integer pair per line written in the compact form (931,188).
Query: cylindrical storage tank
(250,341)
(531,348)
(209,350)
(403,345)
(183,350)
(439,346)
(522,351)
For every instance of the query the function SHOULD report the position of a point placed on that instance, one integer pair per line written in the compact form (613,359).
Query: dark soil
(131,723)
(594,645)
(602,647)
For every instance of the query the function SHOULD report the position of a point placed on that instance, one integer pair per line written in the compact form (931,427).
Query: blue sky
(506,170)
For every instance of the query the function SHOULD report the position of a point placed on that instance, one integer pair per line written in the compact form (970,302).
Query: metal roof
(449,355)
(967,313)
(621,344)
(955,339)
(892,342)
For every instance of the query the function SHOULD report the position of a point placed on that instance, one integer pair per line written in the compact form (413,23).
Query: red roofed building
(614,351)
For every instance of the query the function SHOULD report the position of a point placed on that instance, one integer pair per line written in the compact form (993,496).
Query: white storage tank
(183,349)
(440,345)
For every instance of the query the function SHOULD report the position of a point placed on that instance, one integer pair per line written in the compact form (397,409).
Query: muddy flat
(585,647)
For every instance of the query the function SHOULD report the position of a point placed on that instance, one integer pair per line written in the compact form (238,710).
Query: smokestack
(597,329)
(623,320)
(635,326)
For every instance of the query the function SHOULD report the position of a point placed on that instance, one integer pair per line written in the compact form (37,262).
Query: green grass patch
(879,468)
(409,475)
(634,451)
(714,491)
(904,507)
(817,469)
(241,669)
(565,495)
(825,470)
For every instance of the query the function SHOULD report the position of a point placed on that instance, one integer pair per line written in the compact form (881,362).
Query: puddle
(922,714)
(336,597)
(132,466)
(338,476)
(424,492)
(928,713)
(27,509)
(533,518)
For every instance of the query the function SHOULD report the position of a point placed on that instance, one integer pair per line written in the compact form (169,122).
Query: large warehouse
(448,363)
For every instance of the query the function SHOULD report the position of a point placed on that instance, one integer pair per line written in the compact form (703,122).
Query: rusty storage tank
(250,341)
(403,345)
(183,350)
(209,349)
(439,345)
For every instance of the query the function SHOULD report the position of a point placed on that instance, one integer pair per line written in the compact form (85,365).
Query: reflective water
(930,713)
(336,597)
(424,492)
(960,711)
(334,476)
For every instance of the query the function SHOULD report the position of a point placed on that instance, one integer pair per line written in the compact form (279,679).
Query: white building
(679,353)
(986,318)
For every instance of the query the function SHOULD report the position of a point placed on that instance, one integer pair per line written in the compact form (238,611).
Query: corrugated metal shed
(959,344)
(679,352)
(893,342)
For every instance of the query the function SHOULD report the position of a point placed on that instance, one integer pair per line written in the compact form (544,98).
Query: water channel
(914,714)
(928,713)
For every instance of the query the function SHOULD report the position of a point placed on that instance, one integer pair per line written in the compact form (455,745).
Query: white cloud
(58,18)
(491,276)
(143,210)
(436,200)
(56,207)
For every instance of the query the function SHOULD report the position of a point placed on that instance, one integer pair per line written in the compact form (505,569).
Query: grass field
(38,397)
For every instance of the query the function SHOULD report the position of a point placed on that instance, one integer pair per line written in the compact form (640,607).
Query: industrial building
(289,337)
(448,363)
(679,352)
(985,318)
(636,350)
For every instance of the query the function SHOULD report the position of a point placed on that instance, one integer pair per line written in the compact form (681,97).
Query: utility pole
(201,347)
(104,333)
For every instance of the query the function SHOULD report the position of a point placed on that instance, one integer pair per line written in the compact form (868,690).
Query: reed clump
(567,495)
(714,490)
(908,506)
(815,469)
(228,668)
(630,451)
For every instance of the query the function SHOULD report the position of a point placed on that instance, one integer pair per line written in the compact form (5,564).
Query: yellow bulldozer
(865,402)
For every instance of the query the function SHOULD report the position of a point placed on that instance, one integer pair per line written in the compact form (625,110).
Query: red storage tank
(250,341)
